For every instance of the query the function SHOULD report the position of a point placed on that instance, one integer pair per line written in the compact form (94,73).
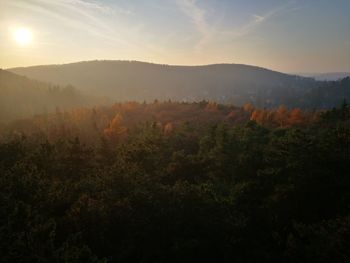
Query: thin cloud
(258,20)
(211,32)
(87,9)
(97,6)
(197,16)
(67,10)
(93,18)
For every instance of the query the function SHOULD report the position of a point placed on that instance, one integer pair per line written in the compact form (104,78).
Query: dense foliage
(215,191)
(116,122)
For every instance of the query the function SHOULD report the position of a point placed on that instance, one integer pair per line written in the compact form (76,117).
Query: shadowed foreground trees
(247,193)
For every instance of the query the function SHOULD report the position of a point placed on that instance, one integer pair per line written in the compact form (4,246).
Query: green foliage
(210,193)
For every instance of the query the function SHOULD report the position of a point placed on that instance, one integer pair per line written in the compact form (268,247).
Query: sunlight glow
(23,36)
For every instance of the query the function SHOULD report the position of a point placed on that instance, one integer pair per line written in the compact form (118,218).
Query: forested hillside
(225,83)
(21,97)
(176,182)
(329,94)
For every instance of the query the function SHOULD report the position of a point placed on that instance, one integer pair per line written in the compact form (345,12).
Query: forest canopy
(176,182)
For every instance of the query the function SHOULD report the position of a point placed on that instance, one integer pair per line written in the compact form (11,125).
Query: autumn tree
(295,117)
(248,107)
(281,116)
(116,128)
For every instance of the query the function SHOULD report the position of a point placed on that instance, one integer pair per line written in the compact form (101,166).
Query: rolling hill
(131,80)
(22,97)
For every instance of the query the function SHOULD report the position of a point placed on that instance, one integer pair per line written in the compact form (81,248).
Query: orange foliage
(282,117)
(115,128)
(248,107)
(114,122)
(168,128)
(263,117)
(212,106)
(296,117)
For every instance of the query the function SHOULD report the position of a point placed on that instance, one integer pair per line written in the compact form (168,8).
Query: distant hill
(22,97)
(329,94)
(332,76)
(224,83)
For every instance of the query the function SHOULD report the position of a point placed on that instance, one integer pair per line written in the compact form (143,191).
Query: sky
(294,36)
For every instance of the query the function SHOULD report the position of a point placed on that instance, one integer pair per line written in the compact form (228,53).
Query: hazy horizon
(293,36)
(306,74)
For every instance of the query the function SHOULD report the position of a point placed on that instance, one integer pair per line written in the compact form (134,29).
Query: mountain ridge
(135,80)
(149,63)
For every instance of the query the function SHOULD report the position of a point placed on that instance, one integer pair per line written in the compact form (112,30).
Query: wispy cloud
(87,16)
(211,32)
(109,27)
(97,6)
(196,14)
(256,20)
(197,17)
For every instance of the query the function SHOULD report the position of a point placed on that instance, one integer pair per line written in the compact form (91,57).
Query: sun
(23,36)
